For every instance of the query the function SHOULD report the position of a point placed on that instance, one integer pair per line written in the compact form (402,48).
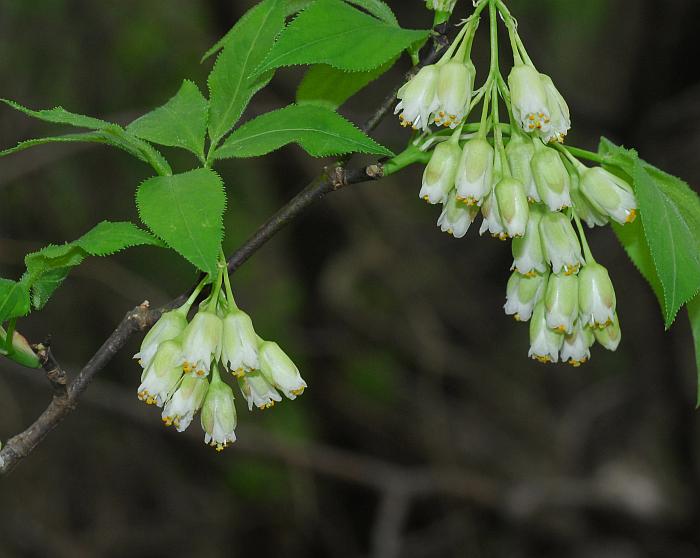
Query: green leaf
(48,268)
(321,132)
(378,9)
(181,122)
(670,217)
(694,315)
(59,115)
(14,299)
(326,86)
(186,211)
(87,137)
(332,32)
(294,6)
(231,82)
(632,238)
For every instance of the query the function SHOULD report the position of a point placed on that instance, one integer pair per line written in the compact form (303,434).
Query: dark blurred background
(426,430)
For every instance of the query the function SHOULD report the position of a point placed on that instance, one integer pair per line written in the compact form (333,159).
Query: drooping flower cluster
(182,363)
(528,187)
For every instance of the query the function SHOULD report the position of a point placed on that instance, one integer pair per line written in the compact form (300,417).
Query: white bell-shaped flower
(492,219)
(522,293)
(456,217)
(160,379)
(545,343)
(552,178)
(258,391)
(528,253)
(529,98)
(512,206)
(609,194)
(561,245)
(279,370)
(239,348)
(583,208)
(419,99)
(475,171)
(610,335)
(439,175)
(170,325)
(597,300)
(560,117)
(185,402)
(576,349)
(219,414)
(455,86)
(201,343)
(561,302)
(519,152)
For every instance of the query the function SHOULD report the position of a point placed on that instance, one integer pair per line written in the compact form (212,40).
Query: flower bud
(258,391)
(586,212)
(522,293)
(528,98)
(528,254)
(597,301)
(456,217)
(560,117)
(545,343)
(475,172)
(279,370)
(159,380)
(201,343)
(492,218)
(239,348)
(20,351)
(577,346)
(561,245)
(561,302)
(609,336)
(552,179)
(512,206)
(439,175)
(169,326)
(219,414)
(455,85)
(419,98)
(609,194)
(185,402)
(519,151)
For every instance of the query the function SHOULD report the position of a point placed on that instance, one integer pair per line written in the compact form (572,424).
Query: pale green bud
(609,194)
(552,179)
(597,299)
(456,217)
(219,414)
(609,336)
(528,98)
(239,349)
(201,343)
(492,218)
(560,117)
(279,370)
(419,99)
(439,175)
(475,172)
(528,253)
(512,206)
(561,302)
(160,379)
(577,346)
(545,343)
(21,352)
(169,326)
(455,86)
(522,293)
(258,391)
(185,402)
(519,151)
(591,216)
(561,245)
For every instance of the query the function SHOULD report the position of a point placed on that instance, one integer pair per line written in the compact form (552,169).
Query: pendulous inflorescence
(527,186)
(183,362)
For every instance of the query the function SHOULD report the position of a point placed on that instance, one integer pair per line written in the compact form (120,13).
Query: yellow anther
(631,216)
(531,117)
(517,318)
(298,391)
(560,329)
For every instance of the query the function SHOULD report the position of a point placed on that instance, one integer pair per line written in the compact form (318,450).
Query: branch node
(375,172)
(54,373)
(338,178)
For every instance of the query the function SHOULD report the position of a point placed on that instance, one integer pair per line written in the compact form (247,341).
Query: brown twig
(142,317)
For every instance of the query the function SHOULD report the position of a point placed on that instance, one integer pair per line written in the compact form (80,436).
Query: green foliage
(186,211)
(326,86)
(378,9)
(181,122)
(332,32)
(670,217)
(694,315)
(14,299)
(231,82)
(321,132)
(104,132)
